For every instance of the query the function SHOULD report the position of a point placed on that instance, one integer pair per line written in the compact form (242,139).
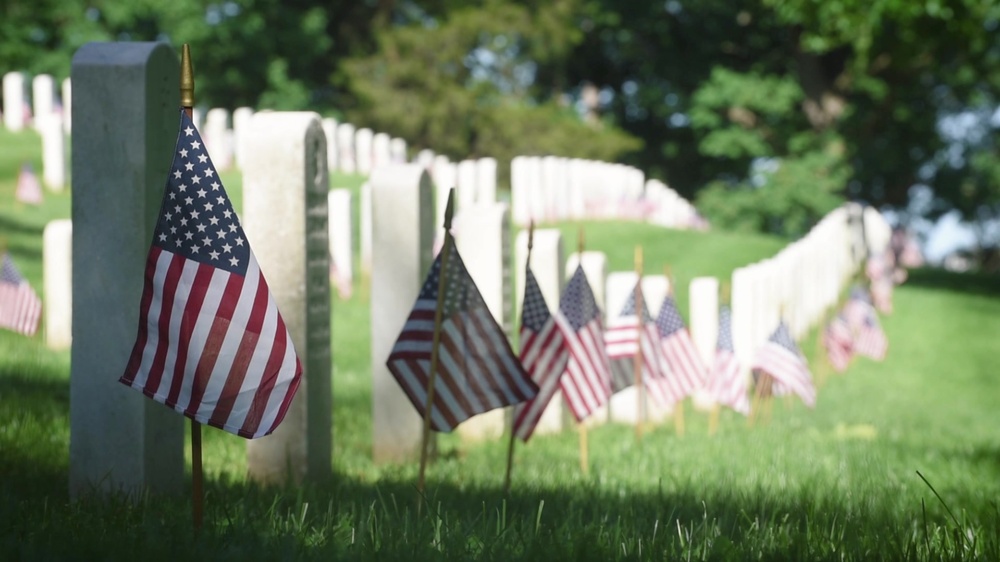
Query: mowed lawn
(838,482)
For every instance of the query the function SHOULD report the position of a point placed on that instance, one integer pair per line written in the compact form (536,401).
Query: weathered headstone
(67,105)
(43,92)
(345,147)
(365,228)
(241,126)
(57,272)
(127,101)
(402,233)
(381,150)
(546,265)
(13,101)
(482,237)
(465,188)
(486,180)
(217,141)
(341,241)
(397,151)
(363,150)
(53,151)
(285,217)
(426,159)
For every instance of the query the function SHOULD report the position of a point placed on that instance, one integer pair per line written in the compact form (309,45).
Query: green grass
(835,483)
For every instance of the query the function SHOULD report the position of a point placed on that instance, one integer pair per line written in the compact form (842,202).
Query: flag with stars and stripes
(839,342)
(624,338)
(477,370)
(20,307)
(543,353)
(587,382)
(29,189)
(869,337)
(780,358)
(687,371)
(727,384)
(211,344)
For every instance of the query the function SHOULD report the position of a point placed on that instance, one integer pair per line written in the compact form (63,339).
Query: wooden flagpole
(637,358)
(679,406)
(510,445)
(581,427)
(197,475)
(436,343)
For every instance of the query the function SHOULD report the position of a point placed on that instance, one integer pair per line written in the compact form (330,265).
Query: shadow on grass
(940,279)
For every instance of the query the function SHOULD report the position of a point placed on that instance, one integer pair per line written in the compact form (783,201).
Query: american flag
(20,307)
(586,384)
(687,371)
(28,190)
(879,270)
(622,341)
(727,383)
(477,371)
(211,344)
(544,355)
(869,338)
(781,359)
(839,342)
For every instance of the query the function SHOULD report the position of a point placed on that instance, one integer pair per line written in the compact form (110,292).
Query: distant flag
(687,371)
(20,307)
(586,384)
(476,372)
(727,383)
(781,359)
(29,189)
(839,342)
(211,344)
(880,272)
(869,338)
(544,354)
(623,339)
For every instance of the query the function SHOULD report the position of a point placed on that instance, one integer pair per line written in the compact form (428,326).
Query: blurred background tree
(767,112)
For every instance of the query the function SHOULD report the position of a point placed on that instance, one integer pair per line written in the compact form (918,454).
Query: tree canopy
(767,112)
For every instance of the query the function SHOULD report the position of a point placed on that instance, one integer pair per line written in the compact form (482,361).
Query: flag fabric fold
(477,370)
(624,338)
(587,382)
(727,384)
(869,338)
(20,307)
(29,189)
(211,344)
(544,355)
(686,370)
(780,358)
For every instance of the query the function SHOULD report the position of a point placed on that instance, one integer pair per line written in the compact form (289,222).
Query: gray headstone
(127,101)
(285,187)
(402,235)
(14,102)
(482,237)
(57,272)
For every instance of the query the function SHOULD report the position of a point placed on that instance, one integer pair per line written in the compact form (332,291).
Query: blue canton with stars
(629,308)
(460,293)
(725,329)
(782,337)
(197,220)
(668,320)
(577,303)
(536,312)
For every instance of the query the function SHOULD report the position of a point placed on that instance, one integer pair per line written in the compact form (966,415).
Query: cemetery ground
(836,483)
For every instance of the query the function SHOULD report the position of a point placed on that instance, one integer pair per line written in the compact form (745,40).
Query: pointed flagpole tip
(531,234)
(669,274)
(638,260)
(579,242)
(726,291)
(449,210)
(187,78)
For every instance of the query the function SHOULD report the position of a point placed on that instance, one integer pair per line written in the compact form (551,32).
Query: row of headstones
(47,114)
(551,188)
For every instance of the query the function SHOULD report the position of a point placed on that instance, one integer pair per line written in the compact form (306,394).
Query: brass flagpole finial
(726,292)
(449,210)
(531,234)
(579,242)
(187,78)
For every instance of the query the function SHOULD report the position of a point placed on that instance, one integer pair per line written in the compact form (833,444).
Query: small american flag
(587,384)
(211,344)
(623,339)
(880,270)
(687,370)
(869,338)
(781,359)
(477,371)
(544,355)
(726,383)
(29,190)
(839,342)
(20,307)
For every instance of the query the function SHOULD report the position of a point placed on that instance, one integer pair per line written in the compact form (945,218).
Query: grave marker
(57,271)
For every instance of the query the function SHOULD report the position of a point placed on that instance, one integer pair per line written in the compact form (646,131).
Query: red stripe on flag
(192,308)
(210,355)
(169,290)
(147,298)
